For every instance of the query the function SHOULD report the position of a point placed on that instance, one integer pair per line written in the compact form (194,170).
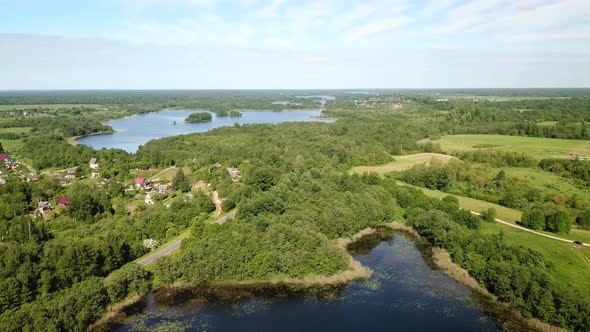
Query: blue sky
(293,44)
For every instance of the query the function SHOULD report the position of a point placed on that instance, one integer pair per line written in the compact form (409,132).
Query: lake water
(138,130)
(406,293)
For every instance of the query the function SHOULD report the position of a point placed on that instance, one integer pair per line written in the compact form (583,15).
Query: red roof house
(140,181)
(4,157)
(63,202)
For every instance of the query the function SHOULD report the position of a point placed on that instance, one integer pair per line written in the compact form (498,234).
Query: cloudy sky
(250,44)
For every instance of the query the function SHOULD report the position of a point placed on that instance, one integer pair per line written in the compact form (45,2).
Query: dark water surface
(405,294)
(137,130)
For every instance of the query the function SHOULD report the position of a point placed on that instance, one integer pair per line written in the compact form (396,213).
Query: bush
(129,279)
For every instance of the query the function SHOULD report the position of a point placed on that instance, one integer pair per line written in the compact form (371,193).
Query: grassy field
(17,130)
(402,163)
(537,147)
(571,264)
(12,145)
(539,179)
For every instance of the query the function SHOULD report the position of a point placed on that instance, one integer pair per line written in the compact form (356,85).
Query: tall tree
(180,182)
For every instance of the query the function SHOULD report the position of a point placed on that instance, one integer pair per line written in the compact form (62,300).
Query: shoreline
(74,139)
(440,258)
(115,313)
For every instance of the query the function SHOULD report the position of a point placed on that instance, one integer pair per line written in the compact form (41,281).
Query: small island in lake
(199,117)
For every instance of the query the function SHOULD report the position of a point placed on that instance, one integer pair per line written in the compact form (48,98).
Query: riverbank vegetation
(294,193)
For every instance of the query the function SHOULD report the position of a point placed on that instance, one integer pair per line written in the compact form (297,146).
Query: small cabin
(164,189)
(148,199)
(234,173)
(140,182)
(71,173)
(43,207)
(63,202)
(93,163)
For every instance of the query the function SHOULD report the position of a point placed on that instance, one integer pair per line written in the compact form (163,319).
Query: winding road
(534,232)
(172,247)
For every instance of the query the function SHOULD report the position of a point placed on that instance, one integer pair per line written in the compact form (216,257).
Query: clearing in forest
(537,147)
(402,163)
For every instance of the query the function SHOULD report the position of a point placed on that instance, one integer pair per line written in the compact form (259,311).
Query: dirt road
(172,247)
(533,231)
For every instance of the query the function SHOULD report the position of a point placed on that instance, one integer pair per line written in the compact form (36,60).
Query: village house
(43,207)
(62,181)
(63,202)
(95,175)
(32,177)
(93,163)
(234,173)
(71,173)
(2,181)
(4,157)
(217,165)
(148,198)
(164,189)
(140,183)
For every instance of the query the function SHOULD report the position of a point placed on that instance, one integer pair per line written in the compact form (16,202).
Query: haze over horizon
(287,44)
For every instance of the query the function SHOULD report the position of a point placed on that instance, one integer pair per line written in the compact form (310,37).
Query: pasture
(537,147)
(401,163)
(11,145)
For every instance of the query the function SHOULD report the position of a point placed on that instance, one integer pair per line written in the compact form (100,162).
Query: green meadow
(535,146)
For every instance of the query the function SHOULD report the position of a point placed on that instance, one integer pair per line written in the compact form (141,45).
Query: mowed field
(402,163)
(11,145)
(535,146)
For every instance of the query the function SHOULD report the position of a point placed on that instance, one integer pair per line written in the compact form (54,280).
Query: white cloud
(270,9)
(357,13)
(376,26)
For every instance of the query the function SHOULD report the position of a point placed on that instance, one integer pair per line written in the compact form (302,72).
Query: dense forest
(294,198)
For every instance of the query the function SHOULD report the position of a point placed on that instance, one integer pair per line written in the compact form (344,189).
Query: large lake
(138,130)
(406,293)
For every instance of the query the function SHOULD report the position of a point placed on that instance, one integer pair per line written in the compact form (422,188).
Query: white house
(93,163)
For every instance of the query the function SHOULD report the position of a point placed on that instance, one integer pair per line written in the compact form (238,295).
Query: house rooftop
(93,161)
(43,204)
